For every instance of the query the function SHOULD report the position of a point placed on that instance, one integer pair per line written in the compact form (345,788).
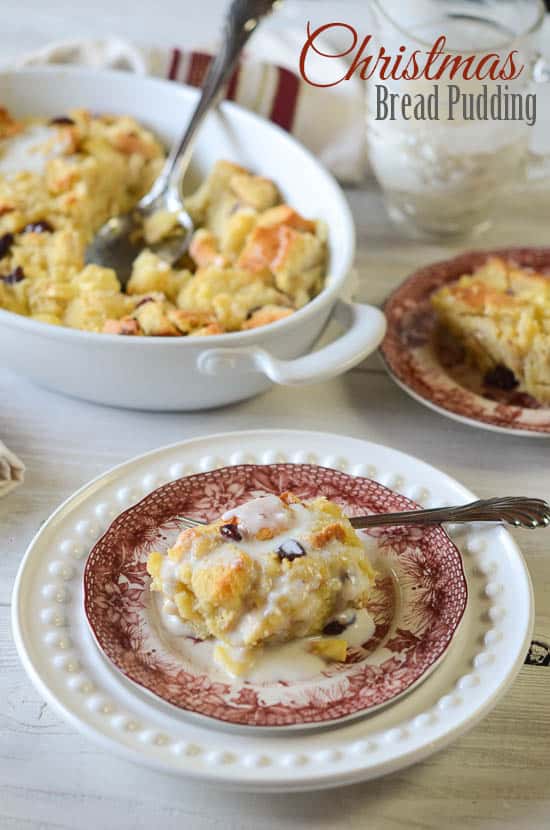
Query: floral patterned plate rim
(437,378)
(417,604)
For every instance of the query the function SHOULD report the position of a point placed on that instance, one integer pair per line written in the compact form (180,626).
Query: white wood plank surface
(495,778)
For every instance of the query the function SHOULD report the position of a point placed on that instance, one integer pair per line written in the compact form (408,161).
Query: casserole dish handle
(364,329)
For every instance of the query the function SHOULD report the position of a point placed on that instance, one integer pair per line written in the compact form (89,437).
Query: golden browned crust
(251,262)
(328,533)
(289,498)
(153,320)
(126,326)
(265,533)
(256,191)
(204,249)
(287,587)
(286,215)
(265,315)
(500,314)
(131,142)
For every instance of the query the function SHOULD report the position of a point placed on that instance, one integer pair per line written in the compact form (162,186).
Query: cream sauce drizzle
(289,660)
(285,661)
(263,512)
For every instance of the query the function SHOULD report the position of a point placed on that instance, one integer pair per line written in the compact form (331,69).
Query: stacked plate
(452,615)
(441,378)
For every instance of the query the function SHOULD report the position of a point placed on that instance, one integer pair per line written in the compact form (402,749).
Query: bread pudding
(272,570)
(252,260)
(500,314)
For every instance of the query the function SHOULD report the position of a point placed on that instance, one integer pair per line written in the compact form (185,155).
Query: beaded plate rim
(480,667)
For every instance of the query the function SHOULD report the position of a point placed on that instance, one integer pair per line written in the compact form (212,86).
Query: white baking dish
(193,373)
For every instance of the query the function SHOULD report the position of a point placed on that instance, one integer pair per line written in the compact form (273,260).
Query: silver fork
(516,511)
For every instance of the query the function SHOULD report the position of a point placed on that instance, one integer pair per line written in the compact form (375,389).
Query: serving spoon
(119,240)
(511,510)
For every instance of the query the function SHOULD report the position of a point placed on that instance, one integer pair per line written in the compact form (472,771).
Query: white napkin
(328,121)
(11,470)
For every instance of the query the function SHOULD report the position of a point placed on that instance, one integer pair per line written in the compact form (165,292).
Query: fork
(516,511)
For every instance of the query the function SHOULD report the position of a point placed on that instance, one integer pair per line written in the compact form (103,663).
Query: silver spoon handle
(518,512)
(241,20)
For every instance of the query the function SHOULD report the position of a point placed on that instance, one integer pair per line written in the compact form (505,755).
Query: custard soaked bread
(273,570)
(501,315)
(252,260)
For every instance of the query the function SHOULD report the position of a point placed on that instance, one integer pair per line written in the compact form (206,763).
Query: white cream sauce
(31,150)
(286,661)
(360,631)
(265,511)
(172,622)
(294,661)
(286,524)
(289,660)
(169,576)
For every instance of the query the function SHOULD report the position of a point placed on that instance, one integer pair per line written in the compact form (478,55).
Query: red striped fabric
(232,85)
(286,97)
(286,94)
(198,67)
(174,64)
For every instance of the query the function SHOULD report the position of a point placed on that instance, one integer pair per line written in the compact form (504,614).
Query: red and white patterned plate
(436,375)
(417,605)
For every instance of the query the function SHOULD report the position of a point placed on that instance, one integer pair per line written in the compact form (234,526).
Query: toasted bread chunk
(251,260)
(499,314)
(268,571)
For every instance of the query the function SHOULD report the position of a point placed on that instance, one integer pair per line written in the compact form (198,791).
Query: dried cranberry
(231,531)
(62,119)
(42,226)
(335,627)
(6,241)
(291,549)
(16,276)
(501,377)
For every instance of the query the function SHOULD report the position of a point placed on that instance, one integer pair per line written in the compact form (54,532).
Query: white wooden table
(495,777)
(52,779)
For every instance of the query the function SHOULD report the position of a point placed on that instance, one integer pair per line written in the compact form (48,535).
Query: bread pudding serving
(272,570)
(252,260)
(500,314)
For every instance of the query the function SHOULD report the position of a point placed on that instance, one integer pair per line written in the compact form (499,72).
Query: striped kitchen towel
(271,91)
(329,121)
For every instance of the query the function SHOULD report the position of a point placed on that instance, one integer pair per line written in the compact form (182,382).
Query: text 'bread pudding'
(272,570)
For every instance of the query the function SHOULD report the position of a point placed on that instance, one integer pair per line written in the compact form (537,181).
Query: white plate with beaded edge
(58,653)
